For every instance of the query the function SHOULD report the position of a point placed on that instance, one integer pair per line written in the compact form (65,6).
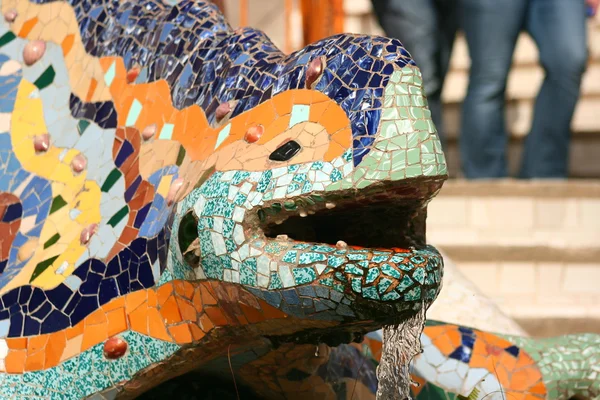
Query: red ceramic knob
(33,51)
(41,143)
(132,74)
(114,348)
(79,163)
(87,233)
(222,110)
(149,132)
(175,187)
(11,15)
(313,72)
(254,133)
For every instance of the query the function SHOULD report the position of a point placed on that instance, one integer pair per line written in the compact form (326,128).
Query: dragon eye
(285,152)
(188,238)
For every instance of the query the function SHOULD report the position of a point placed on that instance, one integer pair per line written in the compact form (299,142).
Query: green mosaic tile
(275,282)
(118,216)
(52,240)
(370,293)
(387,269)
(304,275)
(212,267)
(321,248)
(41,267)
(247,276)
(339,287)
(290,257)
(111,179)
(356,284)
(46,78)
(356,256)
(335,262)
(414,156)
(390,296)
(7,38)
(413,295)
(383,285)
(419,275)
(57,203)
(310,257)
(82,125)
(372,275)
(353,269)
(414,171)
(326,281)
(405,283)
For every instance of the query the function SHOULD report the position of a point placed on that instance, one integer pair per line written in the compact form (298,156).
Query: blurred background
(532,246)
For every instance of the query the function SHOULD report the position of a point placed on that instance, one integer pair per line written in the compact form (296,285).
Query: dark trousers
(427,29)
(492,27)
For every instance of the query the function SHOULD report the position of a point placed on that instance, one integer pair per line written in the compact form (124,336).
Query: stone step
(583,161)
(507,216)
(519,115)
(532,247)
(538,291)
(523,83)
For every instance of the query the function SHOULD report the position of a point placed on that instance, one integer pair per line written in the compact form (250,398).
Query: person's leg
(491,28)
(447,12)
(448,25)
(415,24)
(559,29)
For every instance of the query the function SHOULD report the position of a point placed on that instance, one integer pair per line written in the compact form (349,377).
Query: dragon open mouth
(384,218)
(351,224)
(354,259)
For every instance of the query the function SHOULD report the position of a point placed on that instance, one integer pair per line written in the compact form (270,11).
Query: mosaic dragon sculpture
(179,197)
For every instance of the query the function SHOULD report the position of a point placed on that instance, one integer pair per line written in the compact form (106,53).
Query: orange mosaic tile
(28,27)
(67,43)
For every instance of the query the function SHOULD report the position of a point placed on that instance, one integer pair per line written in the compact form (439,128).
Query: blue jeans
(427,29)
(492,27)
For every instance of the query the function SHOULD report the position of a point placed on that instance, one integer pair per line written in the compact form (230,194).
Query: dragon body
(179,197)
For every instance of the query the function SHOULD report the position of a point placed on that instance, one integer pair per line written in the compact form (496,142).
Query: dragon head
(315,199)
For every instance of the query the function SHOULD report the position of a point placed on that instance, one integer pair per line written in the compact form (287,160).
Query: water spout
(401,343)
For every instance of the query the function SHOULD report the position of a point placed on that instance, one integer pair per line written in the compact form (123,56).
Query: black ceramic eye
(285,152)
(188,231)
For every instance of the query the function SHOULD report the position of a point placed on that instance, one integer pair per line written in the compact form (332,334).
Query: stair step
(519,115)
(523,83)
(583,161)
(532,247)
(517,220)
(538,291)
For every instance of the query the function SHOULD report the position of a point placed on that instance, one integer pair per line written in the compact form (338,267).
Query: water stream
(400,344)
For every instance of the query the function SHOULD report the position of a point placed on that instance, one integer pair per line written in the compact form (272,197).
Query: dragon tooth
(329,205)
